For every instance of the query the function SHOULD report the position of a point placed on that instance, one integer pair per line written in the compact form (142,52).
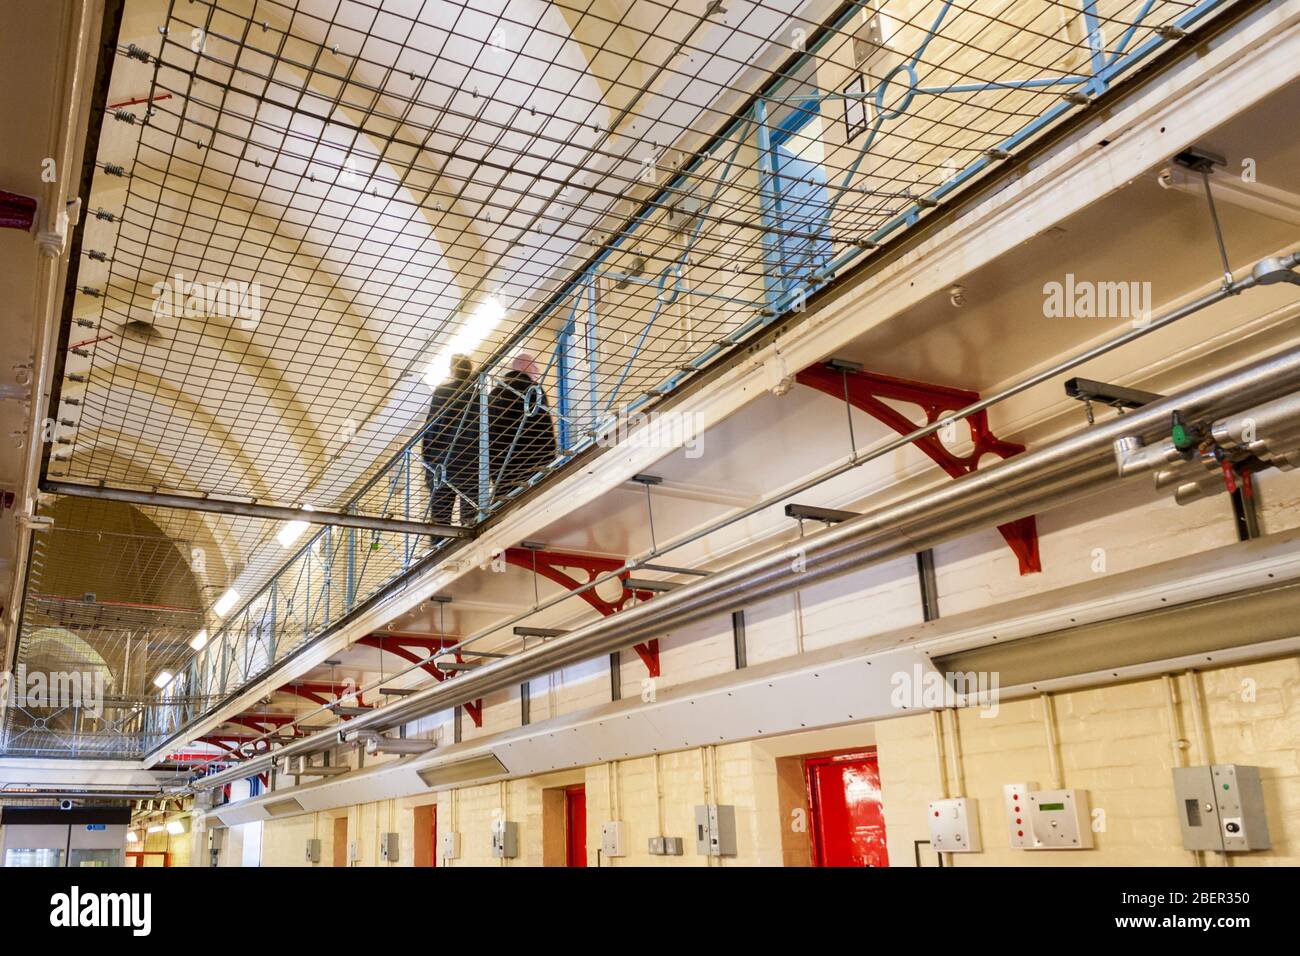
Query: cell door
(848,820)
(575,826)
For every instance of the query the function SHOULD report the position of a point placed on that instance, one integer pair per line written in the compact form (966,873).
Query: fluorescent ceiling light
(293,530)
(175,827)
(486,317)
(131,837)
(156,828)
(199,640)
(225,603)
(162,679)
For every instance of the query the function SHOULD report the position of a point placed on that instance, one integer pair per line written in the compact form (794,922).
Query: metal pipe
(1049,477)
(1270,426)
(251,510)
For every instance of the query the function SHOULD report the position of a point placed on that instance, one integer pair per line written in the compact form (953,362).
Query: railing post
(484,461)
(563,373)
(350,586)
(591,348)
(275,600)
(407,546)
(768,205)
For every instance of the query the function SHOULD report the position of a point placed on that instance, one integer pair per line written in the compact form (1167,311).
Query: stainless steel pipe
(1049,477)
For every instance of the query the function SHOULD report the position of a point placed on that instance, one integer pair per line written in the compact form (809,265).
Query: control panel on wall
(1059,820)
(1046,819)
(1015,796)
(450,845)
(665,846)
(1221,808)
(505,839)
(954,825)
(715,829)
(313,851)
(388,847)
(611,839)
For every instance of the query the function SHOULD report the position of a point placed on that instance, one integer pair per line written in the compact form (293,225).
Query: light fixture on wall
(486,317)
(225,603)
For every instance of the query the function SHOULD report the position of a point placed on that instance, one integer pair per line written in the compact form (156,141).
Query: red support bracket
(868,392)
(401,645)
(263,723)
(234,744)
(557,565)
(322,692)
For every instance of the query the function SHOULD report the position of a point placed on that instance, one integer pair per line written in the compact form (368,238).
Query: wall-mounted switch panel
(313,851)
(954,825)
(388,847)
(1015,797)
(354,851)
(450,845)
(1060,820)
(505,839)
(1221,808)
(611,839)
(715,830)
(665,846)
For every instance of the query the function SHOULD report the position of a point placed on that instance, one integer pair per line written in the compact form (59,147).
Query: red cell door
(575,826)
(848,821)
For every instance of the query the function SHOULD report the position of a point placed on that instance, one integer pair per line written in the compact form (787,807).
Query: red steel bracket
(401,645)
(263,723)
(555,566)
(322,692)
(867,390)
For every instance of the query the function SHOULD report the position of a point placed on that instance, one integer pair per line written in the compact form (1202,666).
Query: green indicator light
(1225,786)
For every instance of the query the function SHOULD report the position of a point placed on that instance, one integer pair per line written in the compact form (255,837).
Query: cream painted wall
(1115,742)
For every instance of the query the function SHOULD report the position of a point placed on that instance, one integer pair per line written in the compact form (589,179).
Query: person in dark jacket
(521,438)
(450,444)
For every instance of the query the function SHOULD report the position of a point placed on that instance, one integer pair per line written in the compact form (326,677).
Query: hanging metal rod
(250,510)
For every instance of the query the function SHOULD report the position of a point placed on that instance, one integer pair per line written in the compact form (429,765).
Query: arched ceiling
(371,171)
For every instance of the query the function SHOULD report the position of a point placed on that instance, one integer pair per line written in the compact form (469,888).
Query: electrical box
(611,839)
(450,845)
(354,851)
(955,825)
(715,830)
(505,839)
(665,846)
(388,847)
(313,851)
(1059,820)
(1221,808)
(1015,798)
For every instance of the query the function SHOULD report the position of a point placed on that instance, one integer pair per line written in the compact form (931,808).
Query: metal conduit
(1056,474)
